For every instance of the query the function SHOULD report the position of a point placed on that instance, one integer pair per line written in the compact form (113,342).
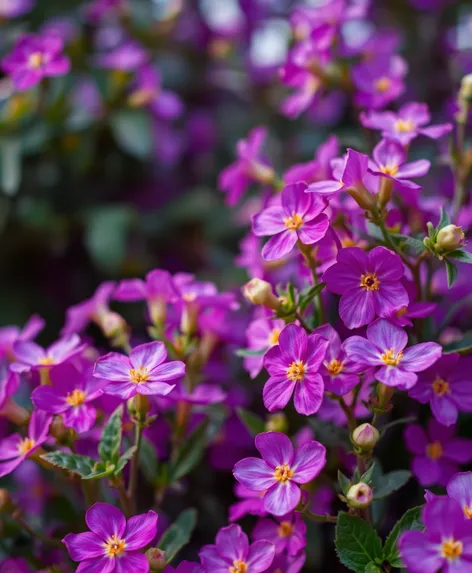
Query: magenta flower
(351,177)
(437,452)
(405,125)
(232,553)
(340,374)
(185,567)
(34,58)
(92,309)
(11,334)
(15,449)
(390,162)
(15,8)
(294,366)
(280,470)
(251,503)
(69,394)
(127,57)
(31,356)
(379,81)
(248,168)
(319,168)
(288,563)
(445,545)
(300,217)
(113,543)
(446,386)
(9,383)
(261,334)
(145,371)
(147,91)
(459,488)
(369,284)
(384,349)
(287,534)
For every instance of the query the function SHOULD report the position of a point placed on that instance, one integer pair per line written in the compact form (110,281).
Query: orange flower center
(283,473)
(76,398)
(370,281)
(138,375)
(285,529)
(294,222)
(452,549)
(404,125)
(390,358)
(296,371)
(440,386)
(35,60)
(238,567)
(391,170)
(46,361)
(335,367)
(274,337)
(467,511)
(25,446)
(434,450)
(382,85)
(114,546)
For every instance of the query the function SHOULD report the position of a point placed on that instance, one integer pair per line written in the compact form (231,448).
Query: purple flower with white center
(15,8)
(69,394)
(300,217)
(31,356)
(33,58)
(145,371)
(262,334)
(447,388)
(384,349)
(112,544)
(11,334)
(288,533)
(379,81)
(249,167)
(280,470)
(92,309)
(232,553)
(252,503)
(127,57)
(185,567)
(459,488)
(390,162)
(147,92)
(405,125)
(340,374)
(369,284)
(445,545)
(15,449)
(294,366)
(437,452)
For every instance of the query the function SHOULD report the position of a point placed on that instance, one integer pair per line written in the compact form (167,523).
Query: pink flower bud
(365,436)
(360,495)
(260,292)
(156,558)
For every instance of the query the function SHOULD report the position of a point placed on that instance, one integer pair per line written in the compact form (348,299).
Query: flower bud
(260,292)
(359,495)
(365,437)
(450,238)
(465,92)
(277,423)
(362,197)
(156,558)
(112,324)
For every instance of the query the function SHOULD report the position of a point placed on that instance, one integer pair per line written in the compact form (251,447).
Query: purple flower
(34,58)
(11,334)
(14,449)
(446,386)
(92,309)
(9,383)
(113,543)
(445,545)
(437,453)
(288,533)
(249,167)
(15,8)
(300,217)
(459,488)
(379,81)
(351,177)
(405,125)
(261,334)
(294,366)
(145,371)
(14,566)
(185,567)
(147,91)
(288,563)
(69,394)
(127,57)
(31,356)
(251,503)
(390,157)
(384,349)
(369,284)
(232,553)
(340,374)
(280,470)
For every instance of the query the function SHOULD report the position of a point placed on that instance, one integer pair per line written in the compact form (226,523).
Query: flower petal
(260,557)
(105,520)
(282,498)
(277,392)
(140,530)
(444,409)
(268,222)
(212,561)
(427,471)
(415,438)
(168,371)
(293,343)
(9,447)
(47,399)
(101,565)
(419,553)
(113,366)
(386,335)
(279,245)
(154,388)
(309,460)
(313,231)
(275,448)
(148,355)
(362,351)
(232,543)
(83,546)
(356,307)
(295,200)
(134,561)
(309,394)
(421,356)
(124,390)
(254,474)
(395,376)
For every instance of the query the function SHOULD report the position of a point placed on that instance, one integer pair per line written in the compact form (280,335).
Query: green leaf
(124,459)
(444,220)
(110,442)
(461,256)
(85,467)
(344,482)
(10,165)
(452,273)
(148,461)
(248,352)
(133,132)
(462,346)
(190,454)
(391,482)
(413,245)
(411,521)
(253,423)
(307,295)
(367,476)
(178,534)
(372,568)
(357,543)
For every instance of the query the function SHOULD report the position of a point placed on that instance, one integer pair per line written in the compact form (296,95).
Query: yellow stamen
(452,549)
(35,60)
(114,546)
(390,358)
(382,85)
(25,446)
(294,222)
(370,281)
(189,296)
(467,511)
(238,567)
(138,375)
(440,387)
(285,529)
(274,337)
(283,473)
(402,311)
(391,170)
(46,361)
(296,371)
(76,398)
(404,125)
(335,367)
(434,450)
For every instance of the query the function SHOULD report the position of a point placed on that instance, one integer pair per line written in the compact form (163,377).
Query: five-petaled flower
(288,533)
(280,470)
(31,356)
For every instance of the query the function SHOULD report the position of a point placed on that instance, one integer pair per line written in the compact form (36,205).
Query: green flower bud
(450,238)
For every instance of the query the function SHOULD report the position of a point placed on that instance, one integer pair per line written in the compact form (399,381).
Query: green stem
(52,541)
(320,518)
(134,471)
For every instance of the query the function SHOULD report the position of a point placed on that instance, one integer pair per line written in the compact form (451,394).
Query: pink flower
(92,309)
(300,217)
(288,533)
(261,334)
(31,356)
(280,470)
(351,177)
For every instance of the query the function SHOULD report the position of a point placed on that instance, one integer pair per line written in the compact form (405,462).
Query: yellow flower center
(434,450)
(283,473)
(238,567)
(335,367)
(404,125)
(402,311)
(294,222)
(274,337)
(76,398)
(390,358)
(467,511)
(25,446)
(189,297)
(139,375)
(370,281)
(391,170)
(285,529)
(142,97)
(47,360)
(440,387)
(296,371)
(382,85)
(114,546)
(35,60)
(452,549)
